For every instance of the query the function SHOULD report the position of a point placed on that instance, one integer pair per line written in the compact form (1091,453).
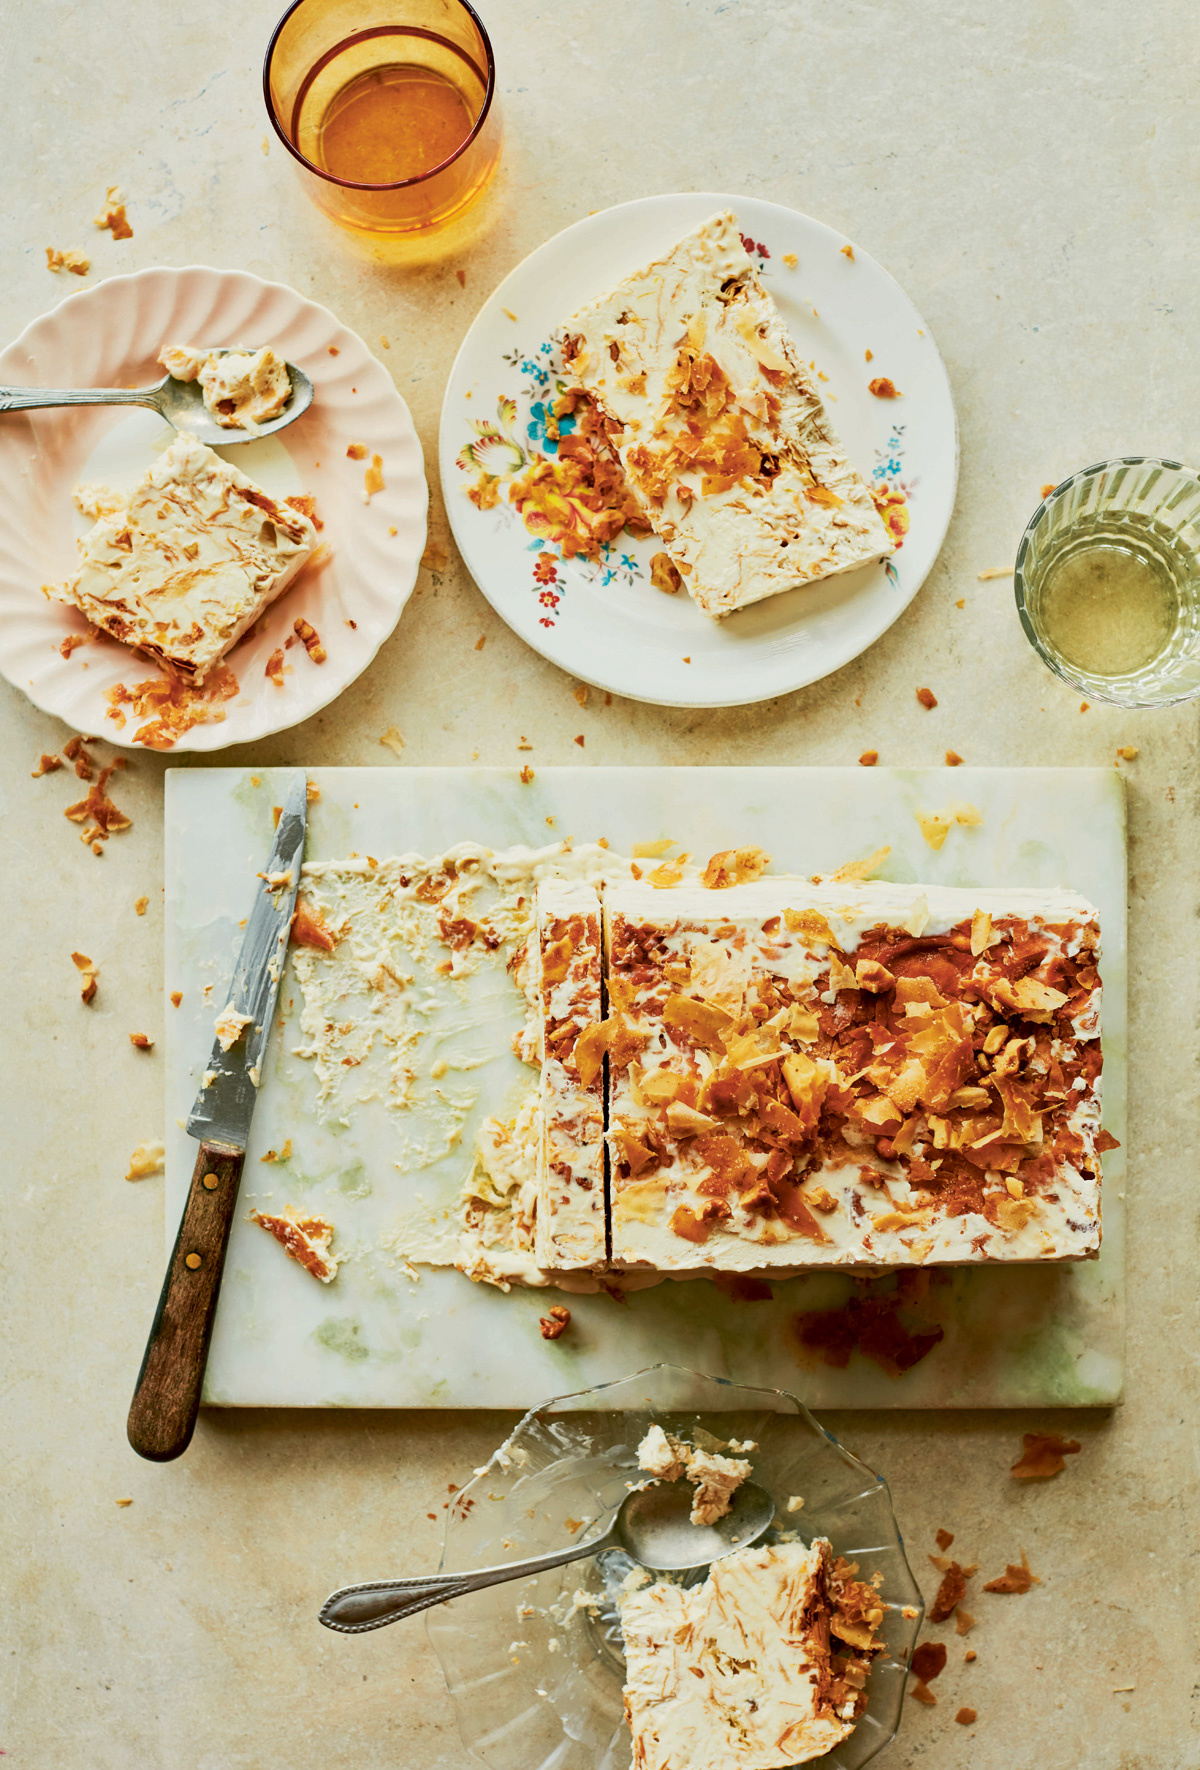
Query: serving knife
(162,1415)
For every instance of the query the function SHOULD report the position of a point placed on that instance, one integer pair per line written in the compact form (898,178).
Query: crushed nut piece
(927,699)
(112,214)
(308,636)
(274,667)
(373,478)
(47,765)
(83,964)
(72,261)
(970,1656)
(1042,1456)
(664,574)
(1126,752)
(967,1716)
(580,691)
(882,388)
(146,1159)
(141,904)
(579,740)
(143,1041)
(868,759)
(555,1323)
(953,759)
(847,251)
(1084,707)
(944,1539)
(176,997)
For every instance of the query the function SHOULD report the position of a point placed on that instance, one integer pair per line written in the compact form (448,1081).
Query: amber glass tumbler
(388,109)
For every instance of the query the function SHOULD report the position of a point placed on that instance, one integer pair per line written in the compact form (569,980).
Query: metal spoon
(181,403)
(652,1527)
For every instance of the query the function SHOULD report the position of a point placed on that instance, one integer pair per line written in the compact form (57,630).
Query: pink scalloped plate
(352,593)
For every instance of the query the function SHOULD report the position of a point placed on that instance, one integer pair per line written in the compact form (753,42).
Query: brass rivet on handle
(192,1261)
(210,1182)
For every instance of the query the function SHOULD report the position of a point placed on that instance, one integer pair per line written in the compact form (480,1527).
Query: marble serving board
(380,1337)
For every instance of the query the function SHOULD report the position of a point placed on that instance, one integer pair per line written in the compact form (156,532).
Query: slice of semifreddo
(571,1216)
(185,564)
(852,1075)
(748,1671)
(719,427)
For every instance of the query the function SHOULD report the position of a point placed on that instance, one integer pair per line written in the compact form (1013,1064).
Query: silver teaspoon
(181,403)
(651,1525)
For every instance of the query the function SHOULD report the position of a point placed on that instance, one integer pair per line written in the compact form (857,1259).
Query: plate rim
(183,744)
(495,301)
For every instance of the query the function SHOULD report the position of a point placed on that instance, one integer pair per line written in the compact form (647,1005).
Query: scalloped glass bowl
(535,1669)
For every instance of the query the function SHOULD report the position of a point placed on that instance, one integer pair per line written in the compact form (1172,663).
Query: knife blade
(225,1104)
(166,1399)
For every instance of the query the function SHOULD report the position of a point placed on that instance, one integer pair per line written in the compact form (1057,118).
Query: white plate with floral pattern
(352,592)
(601,619)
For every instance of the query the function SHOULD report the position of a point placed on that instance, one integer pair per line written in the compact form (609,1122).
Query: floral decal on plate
(545,454)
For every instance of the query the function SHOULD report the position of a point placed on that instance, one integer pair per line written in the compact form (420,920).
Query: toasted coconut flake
(373,478)
(1042,1456)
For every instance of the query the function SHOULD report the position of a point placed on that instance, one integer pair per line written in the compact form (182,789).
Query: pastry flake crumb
(356,451)
(664,574)
(927,699)
(961,603)
(47,764)
(868,356)
(435,557)
(790,259)
(307,1240)
(964,1622)
(994,571)
(1015,1578)
(944,1538)
(391,740)
(1126,752)
(847,251)
(142,1041)
(555,1323)
(967,1717)
(308,636)
(141,905)
(75,262)
(112,214)
(734,866)
(580,692)
(868,759)
(1042,1456)
(309,927)
(950,1592)
(883,388)
(146,1159)
(373,479)
(481,642)
(526,775)
(796,1503)
(274,667)
(953,759)
(174,707)
(860,869)
(1048,487)
(176,997)
(580,740)
(970,1656)
(88,973)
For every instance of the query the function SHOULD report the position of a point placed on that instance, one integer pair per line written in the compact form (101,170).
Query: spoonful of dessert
(652,1524)
(218,395)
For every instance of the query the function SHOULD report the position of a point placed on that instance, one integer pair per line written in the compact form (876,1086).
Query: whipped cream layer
(184,565)
(719,427)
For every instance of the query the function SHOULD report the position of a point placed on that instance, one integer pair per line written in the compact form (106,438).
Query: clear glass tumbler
(1107,581)
(389,112)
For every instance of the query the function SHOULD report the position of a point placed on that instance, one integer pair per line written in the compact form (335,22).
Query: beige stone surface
(1028,173)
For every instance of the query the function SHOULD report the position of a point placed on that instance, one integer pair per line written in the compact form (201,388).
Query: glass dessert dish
(536,1668)
(1107,581)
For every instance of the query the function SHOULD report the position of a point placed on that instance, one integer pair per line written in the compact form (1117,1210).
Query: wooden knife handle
(162,1415)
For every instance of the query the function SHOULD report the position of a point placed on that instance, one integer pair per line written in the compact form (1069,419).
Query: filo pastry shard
(852,1075)
(719,427)
(571,1218)
(184,565)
